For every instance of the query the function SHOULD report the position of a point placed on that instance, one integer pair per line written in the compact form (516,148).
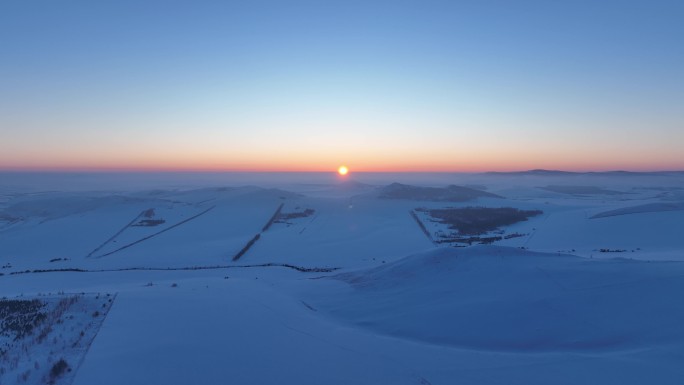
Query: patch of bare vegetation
(41,338)
(470,225)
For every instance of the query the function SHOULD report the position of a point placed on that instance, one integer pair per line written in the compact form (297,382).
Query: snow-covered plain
(315,279)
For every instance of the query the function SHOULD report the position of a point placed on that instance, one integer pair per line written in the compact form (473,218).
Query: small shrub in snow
(23,377)
(58,369)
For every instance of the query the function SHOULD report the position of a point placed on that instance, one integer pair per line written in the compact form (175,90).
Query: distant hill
(542,172)
(581,190)
(352,184)
(538,172)
(639,209)
(450,193)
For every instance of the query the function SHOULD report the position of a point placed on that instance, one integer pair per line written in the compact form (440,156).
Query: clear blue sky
(308,85)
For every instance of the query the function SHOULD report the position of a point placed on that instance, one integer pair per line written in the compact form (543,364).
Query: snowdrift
(646,208)
(507,299)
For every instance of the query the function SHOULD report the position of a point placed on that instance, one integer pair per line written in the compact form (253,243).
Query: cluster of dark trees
(58,369)
(480,220)
(149,222)
(20,317)
(284,217)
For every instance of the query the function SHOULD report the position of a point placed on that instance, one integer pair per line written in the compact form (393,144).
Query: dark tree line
(480,220)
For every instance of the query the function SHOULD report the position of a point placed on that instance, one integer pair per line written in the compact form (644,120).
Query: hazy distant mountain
(352,184)
(581,190)
(636,173)
(450,193)
(542,172)
(539,172)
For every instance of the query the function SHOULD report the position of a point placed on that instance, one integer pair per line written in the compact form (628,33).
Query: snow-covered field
(315,279)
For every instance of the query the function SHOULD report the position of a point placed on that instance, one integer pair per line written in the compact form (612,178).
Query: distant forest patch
(149,222)
(285,217)
(289,218)
(479,220)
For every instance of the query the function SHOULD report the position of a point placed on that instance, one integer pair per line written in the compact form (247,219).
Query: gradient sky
(308,85)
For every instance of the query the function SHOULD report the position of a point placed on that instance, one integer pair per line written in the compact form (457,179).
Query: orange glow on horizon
(389,169)
(390,161)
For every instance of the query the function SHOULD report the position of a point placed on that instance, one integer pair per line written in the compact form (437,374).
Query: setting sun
(343,170)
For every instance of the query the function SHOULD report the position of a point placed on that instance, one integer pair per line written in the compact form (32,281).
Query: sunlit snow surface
(318,279)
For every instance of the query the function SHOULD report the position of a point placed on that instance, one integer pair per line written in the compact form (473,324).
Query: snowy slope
(200,228)
(186,312)
(506,299)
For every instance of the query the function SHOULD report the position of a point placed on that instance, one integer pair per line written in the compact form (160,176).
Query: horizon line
(281,171)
